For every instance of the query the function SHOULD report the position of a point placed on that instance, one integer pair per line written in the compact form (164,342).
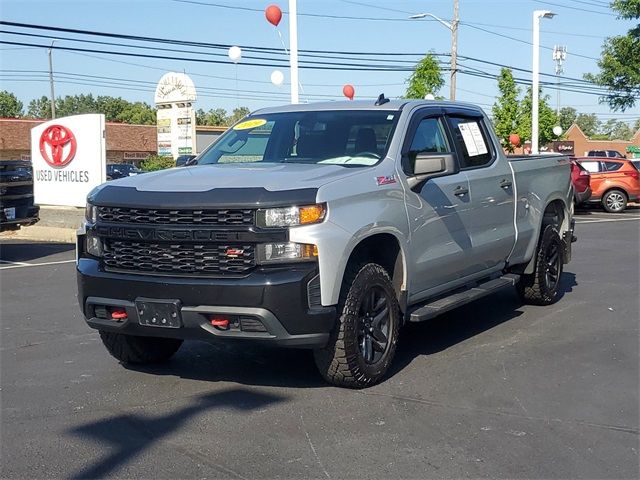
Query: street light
(453,26)
(537,15)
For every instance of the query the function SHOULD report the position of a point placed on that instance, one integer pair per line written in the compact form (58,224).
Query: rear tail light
(634,175)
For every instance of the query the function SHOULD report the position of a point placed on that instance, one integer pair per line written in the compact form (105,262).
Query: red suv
(614,182)
(581,181)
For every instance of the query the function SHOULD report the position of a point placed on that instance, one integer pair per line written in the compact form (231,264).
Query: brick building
(125,143)
(582,144)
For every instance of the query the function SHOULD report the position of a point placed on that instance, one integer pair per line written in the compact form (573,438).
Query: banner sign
(69,159)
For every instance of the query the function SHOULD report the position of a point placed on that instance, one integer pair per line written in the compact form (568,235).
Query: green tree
(636,126)
(39,108)
(425,79)
(138,113)
(588,123)
(547,118)
(214,117)
(238,113)
(10,106)
(505,110)
(76,105)
(567,117)
(619,65)
(111,107)
(616,130)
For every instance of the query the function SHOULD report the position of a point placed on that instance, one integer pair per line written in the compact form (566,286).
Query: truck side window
(429,138)
(472,140)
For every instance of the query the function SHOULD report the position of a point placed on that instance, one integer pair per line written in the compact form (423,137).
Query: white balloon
(235,54)
(429,96)
(557,130)
(277,77)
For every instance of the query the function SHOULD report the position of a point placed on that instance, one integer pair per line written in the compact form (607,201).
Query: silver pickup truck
(324,226)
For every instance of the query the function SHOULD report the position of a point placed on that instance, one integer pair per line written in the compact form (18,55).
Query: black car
(120,170)
(16,195)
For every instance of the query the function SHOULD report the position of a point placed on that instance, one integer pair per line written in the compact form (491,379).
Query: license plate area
(159,313)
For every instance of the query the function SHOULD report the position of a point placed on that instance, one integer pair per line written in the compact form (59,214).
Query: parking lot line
(26,265)
(578,220)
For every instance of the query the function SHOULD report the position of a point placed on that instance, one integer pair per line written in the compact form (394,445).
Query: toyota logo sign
(57,146)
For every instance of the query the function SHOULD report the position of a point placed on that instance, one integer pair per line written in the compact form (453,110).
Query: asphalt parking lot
(494,389)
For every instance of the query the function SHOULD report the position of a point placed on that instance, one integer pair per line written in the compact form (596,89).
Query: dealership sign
(69,159)
(176,118)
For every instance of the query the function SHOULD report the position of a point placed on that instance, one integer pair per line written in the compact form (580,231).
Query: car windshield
(345,137)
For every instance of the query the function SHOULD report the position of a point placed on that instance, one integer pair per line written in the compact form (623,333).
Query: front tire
(363,341)
(614,201)
(541,286)
(139,350)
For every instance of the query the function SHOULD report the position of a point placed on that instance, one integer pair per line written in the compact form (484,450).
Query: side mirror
(431,165)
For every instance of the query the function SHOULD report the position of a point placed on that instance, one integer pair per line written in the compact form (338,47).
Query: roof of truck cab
(361,105)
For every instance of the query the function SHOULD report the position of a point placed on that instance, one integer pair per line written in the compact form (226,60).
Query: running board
(438,307)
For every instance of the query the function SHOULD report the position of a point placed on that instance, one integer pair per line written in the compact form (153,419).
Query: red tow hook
(222,323)
(119,314)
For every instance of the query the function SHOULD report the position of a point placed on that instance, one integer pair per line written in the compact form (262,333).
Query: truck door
(437,211)
(491,190)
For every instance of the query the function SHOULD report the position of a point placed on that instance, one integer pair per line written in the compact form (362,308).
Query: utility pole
(559,56)
(53,95)
(454,49)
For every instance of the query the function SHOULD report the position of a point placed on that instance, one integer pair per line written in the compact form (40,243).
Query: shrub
(156,162)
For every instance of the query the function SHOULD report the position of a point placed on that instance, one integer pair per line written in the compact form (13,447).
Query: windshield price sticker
(473,139)
(249,124)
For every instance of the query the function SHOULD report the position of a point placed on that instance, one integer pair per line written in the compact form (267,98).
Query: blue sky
(581,25)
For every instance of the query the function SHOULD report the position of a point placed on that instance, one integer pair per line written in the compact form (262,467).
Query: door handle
(506,183)
(460,191)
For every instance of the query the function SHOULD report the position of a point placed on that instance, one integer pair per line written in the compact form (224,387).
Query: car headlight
(286,252)
(291,216)
(91,213)
(93,245)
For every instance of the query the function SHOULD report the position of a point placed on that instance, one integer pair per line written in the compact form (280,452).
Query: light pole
(453,26)
(293,50)
(537,15)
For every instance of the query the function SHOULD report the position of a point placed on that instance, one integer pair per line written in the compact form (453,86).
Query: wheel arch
(384,249)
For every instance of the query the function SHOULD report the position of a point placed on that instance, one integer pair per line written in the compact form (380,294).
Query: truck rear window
(342,137)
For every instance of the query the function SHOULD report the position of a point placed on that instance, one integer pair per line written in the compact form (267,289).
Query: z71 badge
(386,180)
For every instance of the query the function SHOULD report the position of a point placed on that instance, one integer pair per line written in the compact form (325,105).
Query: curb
(41,234)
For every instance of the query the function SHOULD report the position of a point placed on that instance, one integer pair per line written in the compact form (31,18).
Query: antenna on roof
(381,100)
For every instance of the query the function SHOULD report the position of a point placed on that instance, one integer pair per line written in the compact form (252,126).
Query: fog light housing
(91,213)
(93,245)
(286,252)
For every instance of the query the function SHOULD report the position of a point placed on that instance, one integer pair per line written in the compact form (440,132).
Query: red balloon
(514,139)
(348,91)
(273,14)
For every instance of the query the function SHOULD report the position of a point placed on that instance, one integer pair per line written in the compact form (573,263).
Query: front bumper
(277,298)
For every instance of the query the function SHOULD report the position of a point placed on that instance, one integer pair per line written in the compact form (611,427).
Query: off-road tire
(614,201)
(139,350)
(535,288)
(341,362)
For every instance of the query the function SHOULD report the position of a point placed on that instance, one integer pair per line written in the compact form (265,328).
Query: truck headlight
(91,213)
(286,252)
(93,245)
(291,216)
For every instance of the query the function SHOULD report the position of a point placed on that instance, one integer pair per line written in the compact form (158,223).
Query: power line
(574,8)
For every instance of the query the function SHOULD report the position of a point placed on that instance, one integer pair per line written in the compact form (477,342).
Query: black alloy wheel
(373,325)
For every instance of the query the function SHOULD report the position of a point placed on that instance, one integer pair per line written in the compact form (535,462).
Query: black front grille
(177,259)
(175,217)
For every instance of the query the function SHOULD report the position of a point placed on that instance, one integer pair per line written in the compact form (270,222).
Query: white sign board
(69,159)
(473,139)
(176,119)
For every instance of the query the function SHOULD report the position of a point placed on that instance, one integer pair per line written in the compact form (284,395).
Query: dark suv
(16,195)
(120,170)
(605,154)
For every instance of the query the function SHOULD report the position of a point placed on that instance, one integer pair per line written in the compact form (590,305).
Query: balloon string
(287,52)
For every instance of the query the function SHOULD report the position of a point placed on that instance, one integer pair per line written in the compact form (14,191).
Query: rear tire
(139,350)
(541,286)
(364,339)
(614,201)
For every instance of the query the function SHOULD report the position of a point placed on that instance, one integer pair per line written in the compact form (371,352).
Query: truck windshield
(343,137)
